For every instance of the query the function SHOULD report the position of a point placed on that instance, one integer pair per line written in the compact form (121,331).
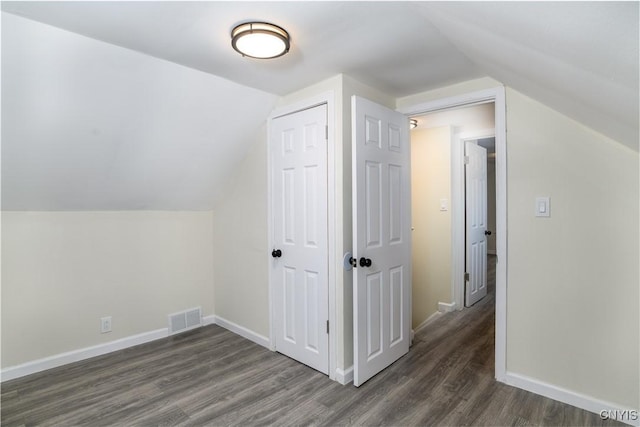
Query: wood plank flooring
(212,377)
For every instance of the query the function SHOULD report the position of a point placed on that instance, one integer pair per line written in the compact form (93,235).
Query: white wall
(240,238)
(431,236)
(63,271)
(572,300)
(466,119)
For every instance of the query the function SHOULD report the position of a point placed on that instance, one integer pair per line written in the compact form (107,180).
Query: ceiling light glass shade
(413,123)
(260,40)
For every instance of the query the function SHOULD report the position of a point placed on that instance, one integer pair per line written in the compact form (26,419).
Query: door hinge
(327,326)
(466,160)
(466,277)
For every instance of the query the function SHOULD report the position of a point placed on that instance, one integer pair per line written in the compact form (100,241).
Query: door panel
(299,208)
(397,286)
(381,225)
(476,214)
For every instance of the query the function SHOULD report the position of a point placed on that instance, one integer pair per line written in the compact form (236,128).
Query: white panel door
(381,237)
(476,222)
(299,260)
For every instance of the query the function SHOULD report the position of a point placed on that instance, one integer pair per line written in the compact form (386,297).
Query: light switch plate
(444,205)
(543,207)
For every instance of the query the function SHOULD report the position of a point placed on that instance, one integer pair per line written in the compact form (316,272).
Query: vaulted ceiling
(113,137)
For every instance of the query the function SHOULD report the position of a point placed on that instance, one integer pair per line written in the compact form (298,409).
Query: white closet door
(298,149)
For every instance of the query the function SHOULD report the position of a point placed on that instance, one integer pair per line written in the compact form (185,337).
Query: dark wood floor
(212,377)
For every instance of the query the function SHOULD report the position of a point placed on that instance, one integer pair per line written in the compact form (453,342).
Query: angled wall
(572,299)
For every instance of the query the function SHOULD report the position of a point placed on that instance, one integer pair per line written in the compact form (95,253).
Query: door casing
(497,96)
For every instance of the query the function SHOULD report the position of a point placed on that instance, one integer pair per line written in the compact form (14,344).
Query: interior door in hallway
(299,263)
(381,237)
(476,222)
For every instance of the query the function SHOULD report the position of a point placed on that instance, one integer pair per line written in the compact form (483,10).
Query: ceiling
(384,44)
(580,58)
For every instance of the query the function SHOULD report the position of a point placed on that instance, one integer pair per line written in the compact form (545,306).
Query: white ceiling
(580,58)
(383,44)
(158,148)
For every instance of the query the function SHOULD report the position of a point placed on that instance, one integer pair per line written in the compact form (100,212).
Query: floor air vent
(185,320)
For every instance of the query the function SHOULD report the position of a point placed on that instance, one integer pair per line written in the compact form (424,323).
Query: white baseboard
(446,307)
(569,397)
(39,365)
(428,320)
(443,307)
(242,331)
(56,360)
(61,359)
(208,320)
(344,376)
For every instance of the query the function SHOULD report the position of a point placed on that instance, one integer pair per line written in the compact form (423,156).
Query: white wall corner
(208,320)
(344,376)
(588,403)
(243,332)
(446,307)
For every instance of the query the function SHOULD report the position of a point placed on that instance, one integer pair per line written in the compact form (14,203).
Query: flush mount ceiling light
(260,40)
(413,123)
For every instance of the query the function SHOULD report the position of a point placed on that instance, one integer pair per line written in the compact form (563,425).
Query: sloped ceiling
(580,58)
(90,126)
(386,45)
(131,131)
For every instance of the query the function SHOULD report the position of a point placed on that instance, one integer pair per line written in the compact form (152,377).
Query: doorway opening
(435,205)
(439,206)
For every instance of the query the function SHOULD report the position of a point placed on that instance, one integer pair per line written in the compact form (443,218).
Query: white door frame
(496,95)
(327,98)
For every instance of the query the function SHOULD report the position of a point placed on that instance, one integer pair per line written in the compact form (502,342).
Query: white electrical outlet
(105,324)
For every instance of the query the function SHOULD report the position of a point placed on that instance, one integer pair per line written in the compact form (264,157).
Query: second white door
(476,220)
(381,237)
(299,257)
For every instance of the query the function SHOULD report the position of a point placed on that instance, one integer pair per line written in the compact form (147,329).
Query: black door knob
(487,232)
(276,253)
(365,262)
